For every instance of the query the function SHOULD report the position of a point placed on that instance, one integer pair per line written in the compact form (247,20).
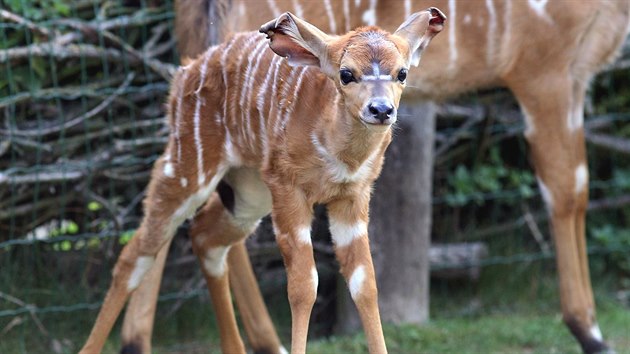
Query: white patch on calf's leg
(304,235)
(214,260)
(343,234)
(581,178)
(143,264)
(315,277)
(355,283)
(545,193)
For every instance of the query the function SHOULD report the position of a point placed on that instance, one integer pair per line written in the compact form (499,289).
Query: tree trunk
(400,224)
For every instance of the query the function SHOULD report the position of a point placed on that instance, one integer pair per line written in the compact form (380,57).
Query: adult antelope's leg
(166,206)
(348,227)
(553,108)
(137,326)
(292,217)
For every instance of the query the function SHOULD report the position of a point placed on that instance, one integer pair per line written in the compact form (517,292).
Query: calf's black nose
(381,109)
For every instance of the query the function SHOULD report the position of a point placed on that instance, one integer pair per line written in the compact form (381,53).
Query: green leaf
(66,245)
(72,228)
(94,206)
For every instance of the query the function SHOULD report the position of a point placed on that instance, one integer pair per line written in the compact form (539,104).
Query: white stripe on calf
(343,234)
(304,235)
(201,177)
(214,261)
(143,264)
(355,284)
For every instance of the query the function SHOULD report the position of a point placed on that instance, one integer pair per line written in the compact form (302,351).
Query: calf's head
(368,65)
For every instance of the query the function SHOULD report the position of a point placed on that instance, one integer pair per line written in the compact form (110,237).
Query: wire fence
(82,92)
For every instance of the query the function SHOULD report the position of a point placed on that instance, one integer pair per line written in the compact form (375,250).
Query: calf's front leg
(292,217)
(349,230)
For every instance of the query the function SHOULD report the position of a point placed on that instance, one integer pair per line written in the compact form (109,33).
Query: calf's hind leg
(221,225)
(166,206)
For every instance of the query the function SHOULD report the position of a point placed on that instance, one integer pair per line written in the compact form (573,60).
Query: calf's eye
(346,76)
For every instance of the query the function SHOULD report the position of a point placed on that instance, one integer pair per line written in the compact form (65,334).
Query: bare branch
(10,16)
(72,122)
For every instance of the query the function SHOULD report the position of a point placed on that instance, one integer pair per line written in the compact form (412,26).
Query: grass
(501,333)
(512,309)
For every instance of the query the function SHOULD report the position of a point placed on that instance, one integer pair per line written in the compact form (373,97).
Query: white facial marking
(343,234)
(169,171)
(581,178)
(356,281)
(184,182)
(596,332)
(315,277)
(304,235)
(214,260)
(374,78)
(538,6)
(376,74)
(545,193)
(143,264)
(451,35)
